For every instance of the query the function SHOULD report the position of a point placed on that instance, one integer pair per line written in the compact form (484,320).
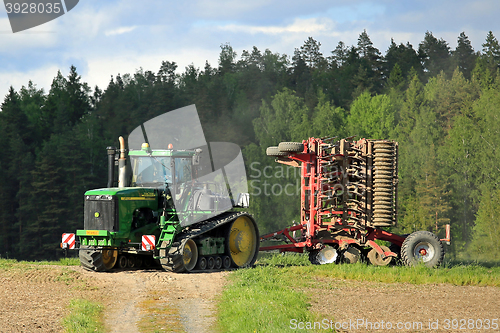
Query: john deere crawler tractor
(178,201)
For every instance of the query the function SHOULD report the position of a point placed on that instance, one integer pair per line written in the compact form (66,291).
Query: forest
(439,103)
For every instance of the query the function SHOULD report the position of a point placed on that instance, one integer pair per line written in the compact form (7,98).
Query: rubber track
(174,261)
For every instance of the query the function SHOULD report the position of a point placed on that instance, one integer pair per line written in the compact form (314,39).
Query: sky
(106,38)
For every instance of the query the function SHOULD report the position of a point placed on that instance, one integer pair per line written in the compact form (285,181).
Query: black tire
(92,260)
(422,246)
(174,260)
(291,147)
(274,151)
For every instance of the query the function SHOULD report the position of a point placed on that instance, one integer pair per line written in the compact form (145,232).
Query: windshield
(182,170)
(150,170)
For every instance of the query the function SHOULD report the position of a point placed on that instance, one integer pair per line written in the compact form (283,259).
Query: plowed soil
(402,307)
(35,298)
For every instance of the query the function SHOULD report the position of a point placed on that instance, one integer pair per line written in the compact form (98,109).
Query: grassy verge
(9,263)
(84,317)
(269,297)
(263,300)
(458,274)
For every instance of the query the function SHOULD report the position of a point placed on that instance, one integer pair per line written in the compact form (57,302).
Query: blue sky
(104,38)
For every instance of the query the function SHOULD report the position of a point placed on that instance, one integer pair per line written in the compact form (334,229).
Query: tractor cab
(159,168)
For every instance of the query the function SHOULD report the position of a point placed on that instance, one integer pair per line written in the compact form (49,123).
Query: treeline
(440,104)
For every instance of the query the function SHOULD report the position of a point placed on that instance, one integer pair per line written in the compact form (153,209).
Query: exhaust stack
(111,165)
(122,164)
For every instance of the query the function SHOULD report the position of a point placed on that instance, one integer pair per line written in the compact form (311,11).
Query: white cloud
(309,26)
(120,31)
(42,77)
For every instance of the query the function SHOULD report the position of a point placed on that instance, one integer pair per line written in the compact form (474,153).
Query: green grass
(84,317)
(9,263)
(452,273)
(263,299)
(266,298)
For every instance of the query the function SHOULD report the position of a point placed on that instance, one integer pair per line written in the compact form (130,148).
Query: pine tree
(491,53)
(464,56)
(435,55)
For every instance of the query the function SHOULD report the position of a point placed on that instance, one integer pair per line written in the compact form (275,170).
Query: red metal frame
(317,154)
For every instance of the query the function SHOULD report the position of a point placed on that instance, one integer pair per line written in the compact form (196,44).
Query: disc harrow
(348,195)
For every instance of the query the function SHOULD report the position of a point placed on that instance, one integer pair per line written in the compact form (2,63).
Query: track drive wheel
(242,241)
(99,261)
(182,256)
(376,259)
(422,246)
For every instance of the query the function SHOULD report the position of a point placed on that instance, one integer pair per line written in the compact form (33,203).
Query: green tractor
(179,207)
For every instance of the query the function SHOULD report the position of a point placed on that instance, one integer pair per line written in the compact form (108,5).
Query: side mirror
(196,156)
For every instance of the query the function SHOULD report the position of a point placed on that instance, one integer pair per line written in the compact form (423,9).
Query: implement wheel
(274,151)
(242,241)
(376,259)
(422,246)
(292,147)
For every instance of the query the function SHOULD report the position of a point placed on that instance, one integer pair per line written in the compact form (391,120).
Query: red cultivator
(348,193)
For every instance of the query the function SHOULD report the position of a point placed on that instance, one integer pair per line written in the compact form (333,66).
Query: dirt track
(35,299)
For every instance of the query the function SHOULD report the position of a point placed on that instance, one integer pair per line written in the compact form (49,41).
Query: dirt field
(375,305)
(35,299)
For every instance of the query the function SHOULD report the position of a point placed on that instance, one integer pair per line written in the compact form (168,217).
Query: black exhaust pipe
(111,165)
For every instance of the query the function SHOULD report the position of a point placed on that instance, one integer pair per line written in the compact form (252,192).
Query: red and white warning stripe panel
(68,241)
(148,242)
